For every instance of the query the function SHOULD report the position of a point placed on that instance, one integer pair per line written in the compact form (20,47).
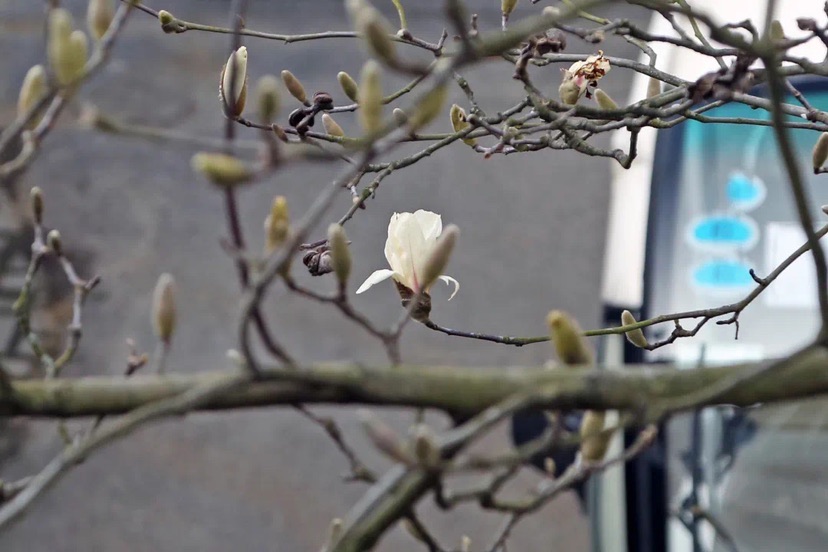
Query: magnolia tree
(262,371)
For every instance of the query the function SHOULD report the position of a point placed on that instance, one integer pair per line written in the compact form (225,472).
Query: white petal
(376,277)
(449,280)
(431,224)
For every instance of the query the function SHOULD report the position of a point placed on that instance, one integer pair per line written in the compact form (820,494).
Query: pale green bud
(425,446)
(569,92)
(604,100)
(234,81)
(163,308)
(340,253)
(594,441)
(294,86)
(777,33)
(349,85)
(54,242)
(429,107)
(459,122)
(567,339)
(31,91)
(59,29)
(36,197)
(221,169)
(267,93)
(820,152)
(400,116)
(79,52)
(506,8)
(331,126)
(440,255)
(277,224)
(373,28)
(370,98)
(99,14)
(636,337)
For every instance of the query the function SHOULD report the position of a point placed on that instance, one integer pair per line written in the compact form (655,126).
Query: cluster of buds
(67,48)
(582,77)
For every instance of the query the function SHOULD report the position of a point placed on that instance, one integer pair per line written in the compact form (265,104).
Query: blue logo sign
(723,233)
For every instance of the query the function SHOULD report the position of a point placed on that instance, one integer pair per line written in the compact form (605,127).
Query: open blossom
(587,73)
(411,240)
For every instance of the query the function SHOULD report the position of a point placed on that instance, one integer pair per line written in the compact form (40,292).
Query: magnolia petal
(431,224)
(449,280)
(376,277)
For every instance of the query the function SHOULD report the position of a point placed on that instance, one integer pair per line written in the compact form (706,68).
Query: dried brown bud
(370,98)
(440,255)
(294,86)
(636,337)
(99,14)
(318,261)
(604,100)
(349,85)
(31,91)
(267,93)
(163,308)
(36,197)
(54,242)
(277,224)
(567,338)
(653,87)
(820,152)
(340,253)
(233,83)
(323,101)
(221,169)
(331,126)
(594,441)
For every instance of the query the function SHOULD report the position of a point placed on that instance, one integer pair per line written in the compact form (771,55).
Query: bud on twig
(267,94)
(31,91)
(168,22)
(820,153)
(234,81)
(569,92)
(54,242)
(277,225)
(349,85)
(67,49)
(636,337)
(383,437)
(340,254)
(425,447)
(99,14)
(777,33)
(506,8)
(604,100)
(374,29)
(36,196)
(566,336)
(653,87)
(459,122)
(370,98)
(429,107)
(221,169)
(331,126)
(440,255)
(594,440)
(163,308)
(400,117)
(294,87)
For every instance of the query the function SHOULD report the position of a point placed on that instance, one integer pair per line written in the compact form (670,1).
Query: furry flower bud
(31,91)
(566,336)
(374,29)
(36,197)
(569,92)
(331,126)
(163,308)
(54,242)
(459,122)
(221,169)
(66,49)
(349,85)
(636,337)
(820,152)
(277,224)
(99,14)
(604,100)
(594,440)
(400,116)
(294,86)
(340,253)
(429,107)
(233,83)
(267,93)
(370,98)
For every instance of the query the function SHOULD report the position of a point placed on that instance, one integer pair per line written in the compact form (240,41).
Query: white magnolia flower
(411,240)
